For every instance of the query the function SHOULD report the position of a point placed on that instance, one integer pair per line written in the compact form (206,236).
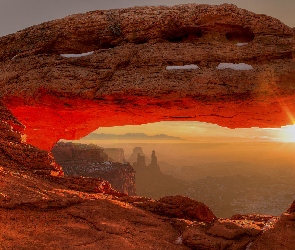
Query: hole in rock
(240,35)
(184,67)
(230,170)
(77,55)
(188,34)
(233,171)
(241,44)
(235,66)
(139,40)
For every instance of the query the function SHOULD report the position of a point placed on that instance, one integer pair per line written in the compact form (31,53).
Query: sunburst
(288,134)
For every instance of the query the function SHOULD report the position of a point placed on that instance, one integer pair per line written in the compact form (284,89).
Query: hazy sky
(206,132)
(19,14)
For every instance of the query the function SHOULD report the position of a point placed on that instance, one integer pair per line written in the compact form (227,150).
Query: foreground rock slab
(49,214)
(100,224)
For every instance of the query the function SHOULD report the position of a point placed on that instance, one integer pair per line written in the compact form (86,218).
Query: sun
(288,133)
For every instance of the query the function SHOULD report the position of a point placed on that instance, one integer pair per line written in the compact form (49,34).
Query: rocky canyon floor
(38,213)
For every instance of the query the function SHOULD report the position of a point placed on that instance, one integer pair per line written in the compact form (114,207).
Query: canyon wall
(115,154)
(91,161)
(15,154)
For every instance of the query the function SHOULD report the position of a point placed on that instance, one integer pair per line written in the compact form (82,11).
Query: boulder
(176,207)
(281,234)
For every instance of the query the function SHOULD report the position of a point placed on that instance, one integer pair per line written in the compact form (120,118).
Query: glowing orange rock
(53,119)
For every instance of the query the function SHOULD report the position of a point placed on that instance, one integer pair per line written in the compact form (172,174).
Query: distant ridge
(129,136)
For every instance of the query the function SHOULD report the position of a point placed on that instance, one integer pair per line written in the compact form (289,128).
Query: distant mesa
(141,160)
(89,160)
(149,179)
(129,136)
(134,156)
(115,154)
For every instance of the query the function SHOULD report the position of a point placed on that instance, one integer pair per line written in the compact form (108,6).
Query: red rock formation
(126,81)
(84,184)
(91,161)
(115,154)
(222,235)
(291,208)
(134,157)
(98,224)
(279,236)
(177,207)
(16,154)
(77,152)
(107,29)
(119,83)
(202,230)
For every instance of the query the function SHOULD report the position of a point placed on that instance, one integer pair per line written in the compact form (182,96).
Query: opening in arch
(240,35)
(185,34)
(205,165)
(233,171)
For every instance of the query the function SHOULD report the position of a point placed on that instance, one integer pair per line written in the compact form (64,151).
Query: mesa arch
(125,80)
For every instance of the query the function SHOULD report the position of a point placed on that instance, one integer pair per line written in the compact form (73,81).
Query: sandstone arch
(129,80)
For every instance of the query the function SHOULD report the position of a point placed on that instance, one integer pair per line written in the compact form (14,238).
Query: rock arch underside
(47,95)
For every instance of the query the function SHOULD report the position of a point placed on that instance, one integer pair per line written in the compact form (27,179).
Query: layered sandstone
(202,230)
(15,154)
(67,151)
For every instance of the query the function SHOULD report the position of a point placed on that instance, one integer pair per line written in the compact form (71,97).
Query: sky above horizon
(16,15)
(206,132)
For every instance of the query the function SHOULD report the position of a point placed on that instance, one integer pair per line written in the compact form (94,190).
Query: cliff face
(92,161)
(115,154)
(78,152)
(130,70)
(29,176)
(15,154)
